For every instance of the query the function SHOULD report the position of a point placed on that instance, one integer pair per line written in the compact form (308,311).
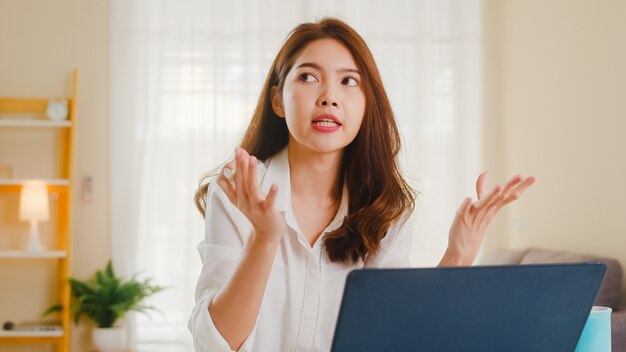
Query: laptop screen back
(492,308)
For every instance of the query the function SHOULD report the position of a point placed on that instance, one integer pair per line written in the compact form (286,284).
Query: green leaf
(53,309)
(105,298)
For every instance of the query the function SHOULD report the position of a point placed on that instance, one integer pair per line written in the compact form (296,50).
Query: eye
(305,77)
(351,81)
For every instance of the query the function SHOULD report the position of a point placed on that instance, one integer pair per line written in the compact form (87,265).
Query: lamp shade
(34,201)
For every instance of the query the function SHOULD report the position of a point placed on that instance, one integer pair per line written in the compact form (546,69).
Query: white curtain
(185,76)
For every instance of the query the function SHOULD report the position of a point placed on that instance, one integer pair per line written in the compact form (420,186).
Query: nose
(326,102)
(327,98)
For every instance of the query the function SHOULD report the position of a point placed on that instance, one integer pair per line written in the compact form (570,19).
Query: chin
(321,145)
(327,148)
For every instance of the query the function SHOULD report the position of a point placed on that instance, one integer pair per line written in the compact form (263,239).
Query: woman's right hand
(244,192)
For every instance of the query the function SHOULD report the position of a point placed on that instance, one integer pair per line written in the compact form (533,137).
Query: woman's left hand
(473,218)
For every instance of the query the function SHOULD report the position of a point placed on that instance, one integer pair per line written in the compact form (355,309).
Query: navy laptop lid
(483,308)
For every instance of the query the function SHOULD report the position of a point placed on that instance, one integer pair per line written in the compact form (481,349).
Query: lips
(327,117)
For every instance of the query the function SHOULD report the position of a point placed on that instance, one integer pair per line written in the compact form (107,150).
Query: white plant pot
(109,339)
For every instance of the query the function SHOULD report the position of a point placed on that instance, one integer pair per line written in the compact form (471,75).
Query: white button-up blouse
(302,297)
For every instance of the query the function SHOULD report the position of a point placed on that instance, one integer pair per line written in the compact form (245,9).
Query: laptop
(525,308)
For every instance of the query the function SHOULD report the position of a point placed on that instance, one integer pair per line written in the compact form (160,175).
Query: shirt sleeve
(226,232)
(395,250)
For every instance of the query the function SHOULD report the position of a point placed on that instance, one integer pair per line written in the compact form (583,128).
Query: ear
(277,102)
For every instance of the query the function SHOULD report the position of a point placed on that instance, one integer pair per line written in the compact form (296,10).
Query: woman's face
(322,100)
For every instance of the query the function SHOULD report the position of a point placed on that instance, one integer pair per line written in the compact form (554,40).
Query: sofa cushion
(503,257)
(609,293)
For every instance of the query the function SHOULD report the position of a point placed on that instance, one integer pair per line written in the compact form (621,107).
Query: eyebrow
(318,67)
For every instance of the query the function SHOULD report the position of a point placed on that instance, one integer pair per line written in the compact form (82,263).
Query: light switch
(87,189)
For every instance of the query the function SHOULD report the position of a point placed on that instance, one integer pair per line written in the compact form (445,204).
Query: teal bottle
(596,336)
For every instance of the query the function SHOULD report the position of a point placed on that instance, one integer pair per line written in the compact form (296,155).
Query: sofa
(608,295)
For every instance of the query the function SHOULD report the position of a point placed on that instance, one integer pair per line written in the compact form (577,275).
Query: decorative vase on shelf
(57,109)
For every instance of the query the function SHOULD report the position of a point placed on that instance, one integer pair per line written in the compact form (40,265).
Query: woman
(314,192)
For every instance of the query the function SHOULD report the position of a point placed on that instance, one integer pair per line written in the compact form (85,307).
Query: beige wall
(555,106)
(40,43)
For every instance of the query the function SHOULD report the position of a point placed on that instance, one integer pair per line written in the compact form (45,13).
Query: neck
(314,175)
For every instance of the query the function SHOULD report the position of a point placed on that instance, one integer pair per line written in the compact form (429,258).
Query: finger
(496,201)
(253,188)
(490,207)
(270,199)
(517,192)
(240,180)
(482,203)
(481,185)
(228,188)
(511,193)
(245,163)
(228,173)
(229,170)
(511,184)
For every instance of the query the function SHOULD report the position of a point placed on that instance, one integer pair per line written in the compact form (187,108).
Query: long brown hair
(378,195)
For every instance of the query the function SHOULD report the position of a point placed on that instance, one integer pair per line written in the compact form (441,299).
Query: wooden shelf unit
(64,186)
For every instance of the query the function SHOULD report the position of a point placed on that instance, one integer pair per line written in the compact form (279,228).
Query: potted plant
(105,298)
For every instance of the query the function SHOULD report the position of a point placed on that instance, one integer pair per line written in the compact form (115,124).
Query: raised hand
(473,218)
(243,191)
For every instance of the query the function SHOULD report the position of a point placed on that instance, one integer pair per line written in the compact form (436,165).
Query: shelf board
(35,123)
(15,185)
(29,255)
(31,334)
(20,181)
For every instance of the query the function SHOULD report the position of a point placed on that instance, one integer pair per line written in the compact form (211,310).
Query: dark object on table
(8,325)
(31,326)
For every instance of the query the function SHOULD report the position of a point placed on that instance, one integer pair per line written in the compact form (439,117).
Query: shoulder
(400,233)
(395,247)
(402,227)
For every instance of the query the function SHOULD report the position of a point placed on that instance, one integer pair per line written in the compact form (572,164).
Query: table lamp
(34,208)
